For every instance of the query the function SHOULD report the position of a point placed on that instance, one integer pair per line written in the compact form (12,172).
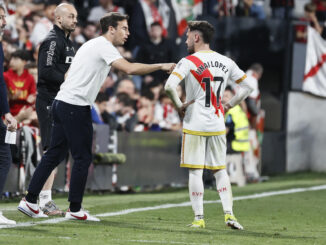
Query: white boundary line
(174,205)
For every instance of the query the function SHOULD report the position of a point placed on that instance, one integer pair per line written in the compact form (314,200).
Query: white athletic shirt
(87,73)
(205,70)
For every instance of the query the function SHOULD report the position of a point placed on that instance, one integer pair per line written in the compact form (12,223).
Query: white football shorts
(203,152)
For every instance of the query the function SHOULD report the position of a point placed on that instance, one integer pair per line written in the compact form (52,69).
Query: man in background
(9,123)
(55,56)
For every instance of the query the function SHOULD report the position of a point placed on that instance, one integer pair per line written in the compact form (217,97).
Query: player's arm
(49,54)
(171,88)
(244,91)
(140,68)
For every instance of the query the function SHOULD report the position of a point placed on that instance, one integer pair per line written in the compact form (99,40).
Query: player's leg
(56,153)
(192,157)
(215,157)
(5,162)
(43,110)
(79,131)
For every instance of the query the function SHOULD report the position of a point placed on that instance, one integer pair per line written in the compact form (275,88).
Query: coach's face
(190,42)
(2,19)
(121,33)
(67,18)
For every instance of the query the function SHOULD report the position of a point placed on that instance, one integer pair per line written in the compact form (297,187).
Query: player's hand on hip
(168,67)
(11,122)
(226,107)
(183,108)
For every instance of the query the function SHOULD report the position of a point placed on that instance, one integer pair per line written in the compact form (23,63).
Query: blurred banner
(315,71)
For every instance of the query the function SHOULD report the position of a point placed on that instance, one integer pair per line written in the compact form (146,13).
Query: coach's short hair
(111,19)
(205,28)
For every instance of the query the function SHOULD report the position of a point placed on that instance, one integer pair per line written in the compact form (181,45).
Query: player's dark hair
(111,19)
(21,54)
(205,28)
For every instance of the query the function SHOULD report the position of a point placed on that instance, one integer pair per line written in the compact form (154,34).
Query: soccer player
(54,59)
(5,155)
(206,74)
(71,110)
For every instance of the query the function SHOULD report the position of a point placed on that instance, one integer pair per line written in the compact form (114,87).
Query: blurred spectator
(44,25)
(249,9)
(310,17)
(145,113)
(226,7)
(166,117)
(237,135)
(99,107)
(282,9)
(254,73)
(20,83)
(157,50)
(237,126)
(105,6)
(88,32)
(145,13)
(32,69)
(127,86)
(124,113)
(320,9)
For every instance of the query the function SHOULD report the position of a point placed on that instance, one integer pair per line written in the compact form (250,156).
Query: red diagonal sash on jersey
(199,78)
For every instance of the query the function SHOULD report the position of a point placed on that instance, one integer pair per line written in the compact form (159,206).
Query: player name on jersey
(210,64)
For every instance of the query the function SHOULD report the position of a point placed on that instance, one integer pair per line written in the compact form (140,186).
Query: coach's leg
(79,130)
(196,192)
(56,153)
(5,157)
(43,110)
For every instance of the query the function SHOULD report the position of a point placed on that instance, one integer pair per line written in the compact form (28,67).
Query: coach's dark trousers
(5,156)
(72,130)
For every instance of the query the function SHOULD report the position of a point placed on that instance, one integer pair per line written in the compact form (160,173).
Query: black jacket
(4,107)
(55,56)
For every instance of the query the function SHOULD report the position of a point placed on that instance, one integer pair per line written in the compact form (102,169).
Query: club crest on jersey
(210,64)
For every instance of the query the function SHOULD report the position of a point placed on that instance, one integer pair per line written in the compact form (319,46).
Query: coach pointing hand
(71,110)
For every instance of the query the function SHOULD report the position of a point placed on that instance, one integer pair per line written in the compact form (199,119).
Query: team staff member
(5,155)
(71,111)
(55,56)
(206,74)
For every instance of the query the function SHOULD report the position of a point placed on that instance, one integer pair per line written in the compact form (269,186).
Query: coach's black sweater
(55,56)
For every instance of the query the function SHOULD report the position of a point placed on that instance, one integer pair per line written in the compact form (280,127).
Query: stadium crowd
(130,103)
(135,103)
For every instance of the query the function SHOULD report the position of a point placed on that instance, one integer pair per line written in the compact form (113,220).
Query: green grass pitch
(297,218)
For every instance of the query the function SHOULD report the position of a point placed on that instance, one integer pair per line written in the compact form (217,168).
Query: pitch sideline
(164,206)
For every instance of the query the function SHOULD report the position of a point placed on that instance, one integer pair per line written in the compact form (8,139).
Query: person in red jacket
(20,83)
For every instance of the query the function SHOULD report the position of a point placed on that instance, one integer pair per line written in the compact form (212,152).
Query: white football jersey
(206,75)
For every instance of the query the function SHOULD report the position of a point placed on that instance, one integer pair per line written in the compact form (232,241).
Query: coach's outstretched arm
(140,68)
(244,91)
